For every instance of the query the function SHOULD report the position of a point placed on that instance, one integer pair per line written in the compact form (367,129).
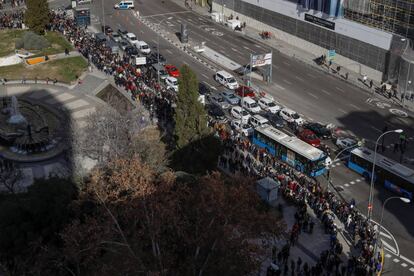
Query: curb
(382,261)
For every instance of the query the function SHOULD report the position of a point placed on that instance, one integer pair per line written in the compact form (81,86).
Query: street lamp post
(370,199)
(103,17)
(158,47)
(403,199)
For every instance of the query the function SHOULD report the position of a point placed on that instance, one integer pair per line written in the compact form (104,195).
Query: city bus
(394,176)
(291,150)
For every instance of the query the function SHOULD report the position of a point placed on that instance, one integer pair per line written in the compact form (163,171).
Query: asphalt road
(309,91)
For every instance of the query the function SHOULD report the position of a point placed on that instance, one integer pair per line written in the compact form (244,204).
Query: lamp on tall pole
(403,199)
(158,46)
(371,187)
(103,17)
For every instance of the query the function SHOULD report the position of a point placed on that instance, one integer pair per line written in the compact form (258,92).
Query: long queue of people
(244,157)
(139,81)
(11,20)
(240,155)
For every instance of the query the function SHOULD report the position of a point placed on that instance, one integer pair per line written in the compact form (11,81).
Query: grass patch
(8,39)
(57,41)
(64,70)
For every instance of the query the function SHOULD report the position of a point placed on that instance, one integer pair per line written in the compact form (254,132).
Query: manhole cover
(399,113)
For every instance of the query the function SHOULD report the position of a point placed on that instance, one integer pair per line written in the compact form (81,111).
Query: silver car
(230,97)
(219,101)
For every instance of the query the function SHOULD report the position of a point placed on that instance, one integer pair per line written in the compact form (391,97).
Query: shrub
(32,41)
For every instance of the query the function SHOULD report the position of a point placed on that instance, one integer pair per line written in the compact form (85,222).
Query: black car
(320,130)
(153,58)
(216,112)
(203,89)
(122,32)
(131,50)
(275,120)
(107,29)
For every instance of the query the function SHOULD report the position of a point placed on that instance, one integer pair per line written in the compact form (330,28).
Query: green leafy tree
(190,116)
(37,15)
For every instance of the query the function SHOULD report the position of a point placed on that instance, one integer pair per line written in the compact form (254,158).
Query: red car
(172,70)
(245,91)
(309,137)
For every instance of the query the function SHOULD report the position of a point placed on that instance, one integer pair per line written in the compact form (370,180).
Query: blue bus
(291,150)
(394,176)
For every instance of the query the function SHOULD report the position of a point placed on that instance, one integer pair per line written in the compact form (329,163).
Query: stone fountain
(28,130)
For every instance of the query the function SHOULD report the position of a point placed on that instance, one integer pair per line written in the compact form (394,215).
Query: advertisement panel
(262,59)
(140,60)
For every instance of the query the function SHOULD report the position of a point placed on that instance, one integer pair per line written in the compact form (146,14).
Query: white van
(131,38)
(124,5)
(250,105)
(258,120)
(143,47)
(226,79)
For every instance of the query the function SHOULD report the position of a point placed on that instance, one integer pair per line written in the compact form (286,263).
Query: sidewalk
(290,50)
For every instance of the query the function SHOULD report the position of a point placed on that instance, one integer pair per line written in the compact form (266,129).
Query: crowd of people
(9,20)
(139,81)
(241,156)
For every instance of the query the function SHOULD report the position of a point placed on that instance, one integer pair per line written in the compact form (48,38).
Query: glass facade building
(395,16)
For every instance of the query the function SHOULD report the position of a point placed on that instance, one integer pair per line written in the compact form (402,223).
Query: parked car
(345,142)
(230,97)
(268,105)
(216,112)
(320,130)
(244,129)
(203,89)
(123,44)
(153,58)
(107,29)
(245,91)
(116,37)
(309,137)
(131,38)
(172,83)
(122,32)
(275,120)
(291,116)
(131,50)
(219,101)
(238,113)
(172,70)
(226,79)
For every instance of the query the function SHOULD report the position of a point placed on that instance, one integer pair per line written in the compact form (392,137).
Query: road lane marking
(404,265)
(375,128)
(341,110)
(153,40)
(354,106)
(396,260)
(204,75)
(288,82)
(313,95)
(169,51)
(407,260)
(386,235)
(311,75)
(412,269)
(212,87)
(389,247)
(235,50)
(258,46)
(326,92)
(245,47)
(286,63)
(340,89)
(299,78)
(346,185)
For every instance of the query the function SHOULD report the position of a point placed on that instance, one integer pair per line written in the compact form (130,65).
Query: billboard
(262,59)
(140,60)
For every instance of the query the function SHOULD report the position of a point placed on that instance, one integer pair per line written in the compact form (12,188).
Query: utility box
(184,33)
(267,188)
